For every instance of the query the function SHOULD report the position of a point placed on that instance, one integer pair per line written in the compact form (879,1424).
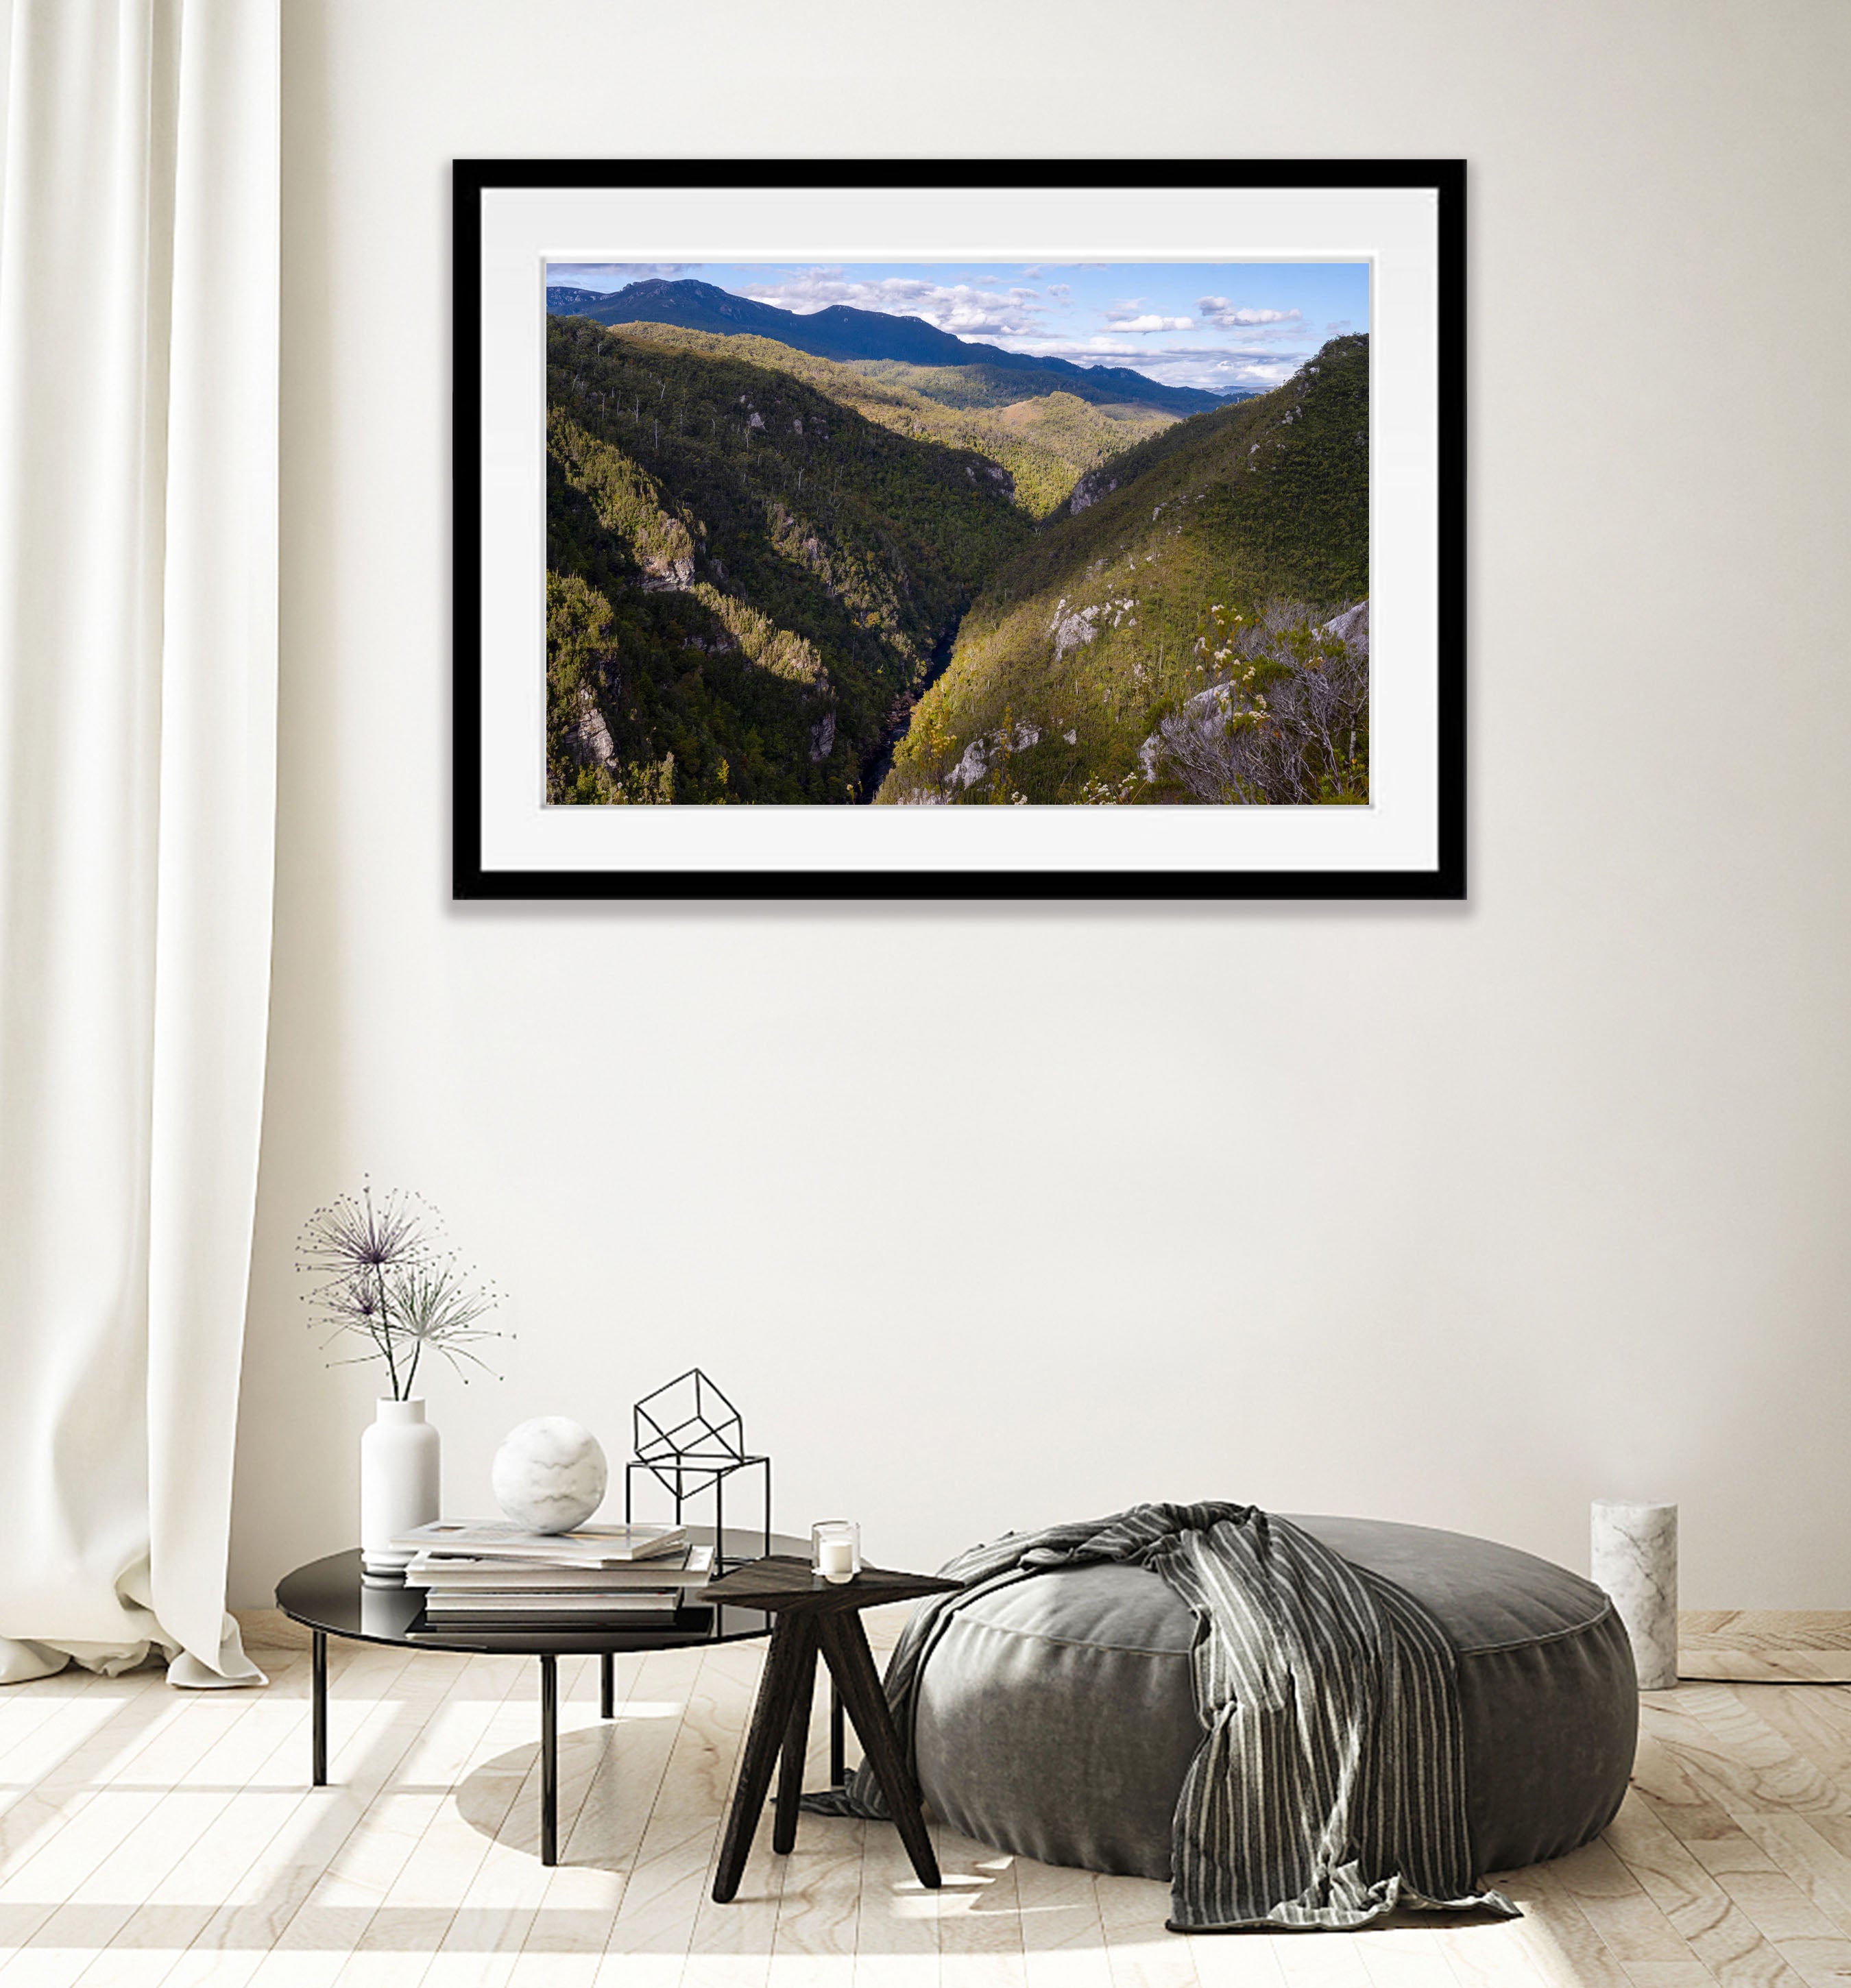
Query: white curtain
(139,290)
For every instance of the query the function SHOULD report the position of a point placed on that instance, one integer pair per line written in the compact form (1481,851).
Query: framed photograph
(878,529)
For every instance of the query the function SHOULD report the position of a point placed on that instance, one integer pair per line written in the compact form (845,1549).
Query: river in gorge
(880,761)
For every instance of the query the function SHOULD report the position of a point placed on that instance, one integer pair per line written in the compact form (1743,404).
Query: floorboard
(158,1839)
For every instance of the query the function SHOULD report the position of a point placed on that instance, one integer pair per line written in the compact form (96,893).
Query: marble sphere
(550,1474)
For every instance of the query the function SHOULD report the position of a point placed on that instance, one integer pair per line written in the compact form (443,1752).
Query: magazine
(689,1568)
(447,1607)
(585,1546)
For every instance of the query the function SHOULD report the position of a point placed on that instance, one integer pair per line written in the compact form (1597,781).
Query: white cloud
(1230,317)
(611,275)
(1147,321)
(964,309)
(1256,366)
(1273,373)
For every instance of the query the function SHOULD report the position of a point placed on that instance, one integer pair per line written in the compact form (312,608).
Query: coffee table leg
(845,1648)
(796,1744)
(607,1685)
(549,1759)
(771,1720)
(318,1710)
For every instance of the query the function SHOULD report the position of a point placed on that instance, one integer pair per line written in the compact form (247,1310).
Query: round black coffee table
(332,1597)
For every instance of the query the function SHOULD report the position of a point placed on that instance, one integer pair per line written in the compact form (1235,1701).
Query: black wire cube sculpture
(690,1439)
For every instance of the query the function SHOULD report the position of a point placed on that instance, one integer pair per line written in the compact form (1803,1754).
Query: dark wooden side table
(812,1617)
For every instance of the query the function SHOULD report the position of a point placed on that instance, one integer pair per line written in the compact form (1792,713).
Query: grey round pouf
(1056,1717)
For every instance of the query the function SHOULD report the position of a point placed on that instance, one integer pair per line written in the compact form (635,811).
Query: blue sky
(1218,325)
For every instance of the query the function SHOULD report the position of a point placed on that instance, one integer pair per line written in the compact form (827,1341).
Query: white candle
(835,1560)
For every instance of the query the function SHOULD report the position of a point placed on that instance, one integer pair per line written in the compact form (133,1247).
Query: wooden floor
(1791,1646)
(155,1836)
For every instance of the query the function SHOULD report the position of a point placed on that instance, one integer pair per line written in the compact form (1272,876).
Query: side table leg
(838,1751)
(845,1648)
(796,1744)
(770,1720)
(607,1685)
(318,1711)
(549,1759)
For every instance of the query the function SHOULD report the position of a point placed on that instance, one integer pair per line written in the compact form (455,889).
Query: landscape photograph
(958,533)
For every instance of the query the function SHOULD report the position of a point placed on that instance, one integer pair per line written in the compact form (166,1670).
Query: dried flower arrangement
(383,1274)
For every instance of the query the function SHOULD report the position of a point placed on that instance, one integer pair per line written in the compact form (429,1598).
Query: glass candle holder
(835,1549)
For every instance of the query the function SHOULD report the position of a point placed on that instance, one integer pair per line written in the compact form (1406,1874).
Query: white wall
(994,1216)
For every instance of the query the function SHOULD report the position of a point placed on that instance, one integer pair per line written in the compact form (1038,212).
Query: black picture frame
(1444,878)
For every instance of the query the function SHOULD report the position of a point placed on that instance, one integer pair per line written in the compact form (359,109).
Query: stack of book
(482,1573)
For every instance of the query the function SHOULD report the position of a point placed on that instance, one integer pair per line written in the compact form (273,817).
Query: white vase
(399,1467)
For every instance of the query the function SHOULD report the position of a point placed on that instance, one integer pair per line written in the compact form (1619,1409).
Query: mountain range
(744,574)
(1207,559)
(774,576)
(1043,441)
(840,331)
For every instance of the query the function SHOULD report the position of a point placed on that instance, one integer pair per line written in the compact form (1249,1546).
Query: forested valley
(775,577)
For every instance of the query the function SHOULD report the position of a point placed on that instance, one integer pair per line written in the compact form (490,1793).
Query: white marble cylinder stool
(1634,1558)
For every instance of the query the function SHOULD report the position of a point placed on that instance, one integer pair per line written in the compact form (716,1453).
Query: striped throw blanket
(1329,1786)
